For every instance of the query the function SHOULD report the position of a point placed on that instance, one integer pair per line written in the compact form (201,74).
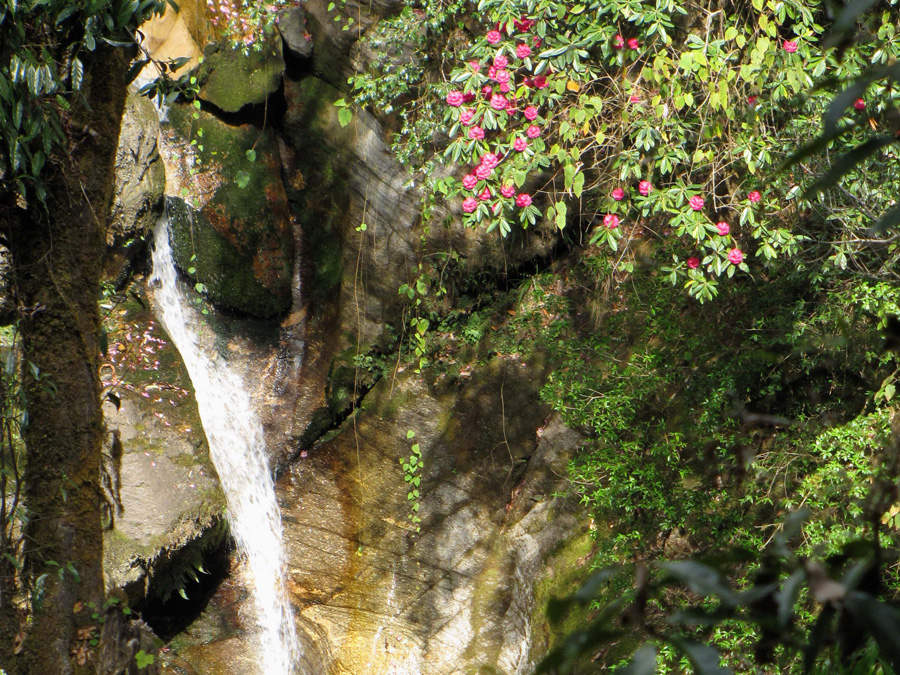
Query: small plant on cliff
(412,476)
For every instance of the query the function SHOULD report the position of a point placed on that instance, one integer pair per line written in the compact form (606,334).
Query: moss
(241,243)
(231,79)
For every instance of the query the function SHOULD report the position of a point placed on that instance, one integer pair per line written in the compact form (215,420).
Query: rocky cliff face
(373,591)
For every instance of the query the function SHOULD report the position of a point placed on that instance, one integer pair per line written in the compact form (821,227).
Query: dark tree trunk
(57,258)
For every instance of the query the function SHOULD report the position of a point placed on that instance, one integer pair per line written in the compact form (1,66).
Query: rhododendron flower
(611,221)
(466,116)
(492,72)
(470,204)
(505,88)
(520,144)
(485,195)
(474,65)
(476,133)
(540,82)
(489,159)
(483,172)
(523,51)
(790,46)
(618,42)
(523,199)
(618,194)
(696,203)
(469,181)
(735,256)
(754,196)
(501,76)
(508,190)
(723,227)
(533,131)
(493,37)
(455,98)
(501,61)
(523,24)
(498,102)
(537,42)
(644,187)
(860,104)
(633,43)
(751,100)
(634,98)
(693,263)
(531,113)
(468,97)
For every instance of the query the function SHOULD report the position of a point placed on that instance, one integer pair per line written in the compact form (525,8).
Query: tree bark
(57,256)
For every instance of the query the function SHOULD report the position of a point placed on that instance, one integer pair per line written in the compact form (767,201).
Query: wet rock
(236,238)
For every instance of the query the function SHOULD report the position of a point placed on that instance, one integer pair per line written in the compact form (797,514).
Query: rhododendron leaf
(703,658)
(890,219)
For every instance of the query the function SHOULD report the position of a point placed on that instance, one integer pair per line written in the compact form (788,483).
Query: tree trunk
(57,258)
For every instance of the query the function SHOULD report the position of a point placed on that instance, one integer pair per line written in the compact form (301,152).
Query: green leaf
(787,597)
(251,155)
(345,115)
(242,179)
(142,659)
(643,663)
(849,161)
(703,658)
(881,620)
(77,73)
(701,579)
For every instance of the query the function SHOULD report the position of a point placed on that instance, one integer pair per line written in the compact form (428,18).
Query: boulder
(231,78)
(236,236)
(295,33)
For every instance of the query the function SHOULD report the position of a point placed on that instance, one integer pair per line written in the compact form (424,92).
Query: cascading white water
(237,449)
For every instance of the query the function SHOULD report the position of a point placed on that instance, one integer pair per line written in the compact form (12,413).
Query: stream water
(237,449)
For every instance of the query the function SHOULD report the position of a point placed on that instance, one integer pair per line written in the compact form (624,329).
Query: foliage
(781,587)
(412,475)
(47,41)
(12,515)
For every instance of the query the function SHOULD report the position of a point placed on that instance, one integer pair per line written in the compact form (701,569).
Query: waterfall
(237,449)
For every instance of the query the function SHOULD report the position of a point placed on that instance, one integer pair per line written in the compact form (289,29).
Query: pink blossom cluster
(493,88)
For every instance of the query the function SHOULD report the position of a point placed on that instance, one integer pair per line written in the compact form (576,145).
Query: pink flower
(618,42)
(536,41)
(860,104)
(644,187)
(751,100)
(501,76)
(498,102)
(693,263)
(485,195)
(531,113)
(520,144)
(474,65)
(470,204)
(490,160)
(533,131)
(540,82)
(523,51)
(735,256)
(468,97)
(790,46)
(634,99)
(501,61)
(523,24)
(508,190)
(469,181)
(466,116)
(505,88)
(696,203)
(618,194)
(754,196)
(523,199)
(483,172)
(633,43)
(493,37)
(476,133)
(723,227)
(611,221)
(455,98)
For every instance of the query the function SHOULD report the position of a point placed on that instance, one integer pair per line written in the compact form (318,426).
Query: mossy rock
(240,243)
(231,79)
